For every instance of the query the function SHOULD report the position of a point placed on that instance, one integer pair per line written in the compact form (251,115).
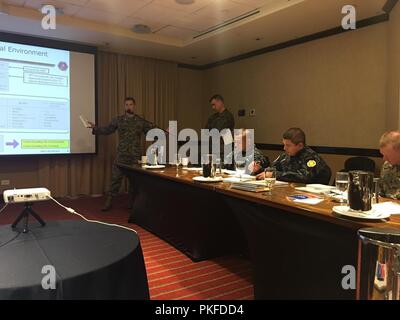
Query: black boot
(107,204)
(130,201)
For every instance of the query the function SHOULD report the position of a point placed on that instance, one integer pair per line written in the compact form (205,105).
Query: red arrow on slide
(14,144)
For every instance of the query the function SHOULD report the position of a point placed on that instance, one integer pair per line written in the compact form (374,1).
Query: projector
(26,195)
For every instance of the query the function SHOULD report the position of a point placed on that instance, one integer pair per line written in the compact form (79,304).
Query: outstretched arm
(110,128)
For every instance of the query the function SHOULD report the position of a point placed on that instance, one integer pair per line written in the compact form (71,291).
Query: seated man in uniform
(390,173)
(256,161)
(299,163)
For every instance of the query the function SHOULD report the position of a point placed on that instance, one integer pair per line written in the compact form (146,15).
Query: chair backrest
(325,177)
(359,163)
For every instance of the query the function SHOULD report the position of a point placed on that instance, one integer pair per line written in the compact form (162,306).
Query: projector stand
(25,214)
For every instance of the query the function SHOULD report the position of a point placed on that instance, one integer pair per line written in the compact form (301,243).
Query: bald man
(390,174)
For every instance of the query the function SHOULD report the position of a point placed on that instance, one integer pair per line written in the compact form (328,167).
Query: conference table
(297,250)
(71,260)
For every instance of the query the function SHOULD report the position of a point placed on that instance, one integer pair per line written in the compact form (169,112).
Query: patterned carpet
(171,274)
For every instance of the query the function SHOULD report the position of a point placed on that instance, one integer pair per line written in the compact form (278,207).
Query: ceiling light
(141,28)
(59,11)
(184,1)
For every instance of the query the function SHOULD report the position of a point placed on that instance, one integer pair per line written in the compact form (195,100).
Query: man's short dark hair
(296,135)
(130,99)
(217,97)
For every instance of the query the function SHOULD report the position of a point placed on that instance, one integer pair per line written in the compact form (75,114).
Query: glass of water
(240,167)
(270,179)
(342,184)
(218,167)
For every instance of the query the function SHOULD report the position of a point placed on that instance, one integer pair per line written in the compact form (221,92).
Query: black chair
(325,177)
(359,163)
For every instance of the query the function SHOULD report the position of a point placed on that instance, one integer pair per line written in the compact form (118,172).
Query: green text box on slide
(44,144)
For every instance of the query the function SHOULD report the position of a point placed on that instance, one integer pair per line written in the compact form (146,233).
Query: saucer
(373,214)
(159,166)
(202,179)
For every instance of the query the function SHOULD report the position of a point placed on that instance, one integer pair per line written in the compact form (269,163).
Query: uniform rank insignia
(311,163)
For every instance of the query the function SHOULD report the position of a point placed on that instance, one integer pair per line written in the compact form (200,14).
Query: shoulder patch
(311,163)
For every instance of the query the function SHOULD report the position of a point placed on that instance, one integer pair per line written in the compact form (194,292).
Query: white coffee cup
(144,160)
(185,162)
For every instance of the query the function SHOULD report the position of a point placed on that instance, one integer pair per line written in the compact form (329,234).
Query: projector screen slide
(42,93)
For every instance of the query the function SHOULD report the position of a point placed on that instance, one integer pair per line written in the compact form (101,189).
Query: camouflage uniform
(389,183)
(220,121)
(257,155)
(129,149)
(305,167)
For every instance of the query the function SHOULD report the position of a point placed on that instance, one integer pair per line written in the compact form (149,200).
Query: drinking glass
(342,184)
(218,165)
(178,161)
(270,179)
(153,160)
(240,167)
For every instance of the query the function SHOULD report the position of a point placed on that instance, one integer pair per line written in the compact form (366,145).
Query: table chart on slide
(34,100)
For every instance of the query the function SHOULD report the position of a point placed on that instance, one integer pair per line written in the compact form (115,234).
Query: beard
(129,112)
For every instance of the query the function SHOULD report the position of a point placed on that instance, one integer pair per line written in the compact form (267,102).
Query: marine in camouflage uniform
(305,167)
(256,156)
(130,128)
(220,120)
(129,151)
(389,183)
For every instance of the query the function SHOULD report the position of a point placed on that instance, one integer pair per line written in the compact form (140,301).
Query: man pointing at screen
(130,128)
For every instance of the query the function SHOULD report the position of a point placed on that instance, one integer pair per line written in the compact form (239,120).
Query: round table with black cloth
(92,261)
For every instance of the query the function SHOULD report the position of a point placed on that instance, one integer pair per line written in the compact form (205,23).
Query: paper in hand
(84,122)
(227,136)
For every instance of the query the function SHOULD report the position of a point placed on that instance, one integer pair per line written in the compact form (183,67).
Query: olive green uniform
(305,167)
(389,182)
(129,151)
(221,121)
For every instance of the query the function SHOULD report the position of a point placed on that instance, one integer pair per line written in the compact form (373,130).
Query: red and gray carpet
(171,274)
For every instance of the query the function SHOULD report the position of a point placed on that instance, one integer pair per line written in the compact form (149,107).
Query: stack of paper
(246,186)
(242,179)
(387,207)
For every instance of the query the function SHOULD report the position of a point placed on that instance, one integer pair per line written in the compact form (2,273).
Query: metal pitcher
(379,264)
(360,190)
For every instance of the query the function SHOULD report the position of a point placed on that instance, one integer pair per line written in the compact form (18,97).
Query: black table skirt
(92,261)
(194,220)
(295,257)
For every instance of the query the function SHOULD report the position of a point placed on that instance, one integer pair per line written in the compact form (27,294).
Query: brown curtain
(151,82)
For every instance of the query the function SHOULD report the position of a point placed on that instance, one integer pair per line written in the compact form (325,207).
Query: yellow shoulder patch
(311,163)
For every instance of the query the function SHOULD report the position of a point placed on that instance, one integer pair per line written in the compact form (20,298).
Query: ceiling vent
(227,23)
(184,1)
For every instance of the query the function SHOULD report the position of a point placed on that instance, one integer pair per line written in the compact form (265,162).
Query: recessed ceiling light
(141,28)
(184,1)
(59,11)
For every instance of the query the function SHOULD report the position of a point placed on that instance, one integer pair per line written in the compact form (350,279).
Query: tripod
(25,214)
